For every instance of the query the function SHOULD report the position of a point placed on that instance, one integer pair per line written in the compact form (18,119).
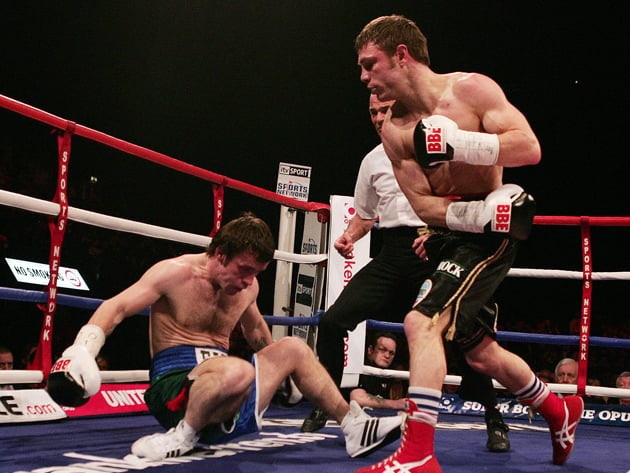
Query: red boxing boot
(563,433)
(415,453)
(563,416)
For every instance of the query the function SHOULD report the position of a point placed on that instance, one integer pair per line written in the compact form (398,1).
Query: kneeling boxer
(197,392)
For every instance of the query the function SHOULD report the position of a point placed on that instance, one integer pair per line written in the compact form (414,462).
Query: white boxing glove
(508,210)
(438,139)
(75,376)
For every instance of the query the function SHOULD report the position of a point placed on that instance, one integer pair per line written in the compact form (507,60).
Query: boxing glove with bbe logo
(438,139)
(75,376)
(508,210)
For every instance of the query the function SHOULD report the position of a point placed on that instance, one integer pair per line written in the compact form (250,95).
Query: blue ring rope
(25,295)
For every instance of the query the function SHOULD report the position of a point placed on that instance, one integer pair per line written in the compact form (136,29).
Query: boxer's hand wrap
(75,376)
(438,139)
(508,209)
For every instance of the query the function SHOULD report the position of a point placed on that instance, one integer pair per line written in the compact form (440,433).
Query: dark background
(238,86)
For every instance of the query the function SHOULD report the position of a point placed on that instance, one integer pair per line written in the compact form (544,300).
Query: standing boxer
(389,283)
(197,391)
(452,134)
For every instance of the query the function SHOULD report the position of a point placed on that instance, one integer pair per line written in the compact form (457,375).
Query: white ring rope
(129,376)
(456,381)
(21,377)
(564,274)
(129,226)
(36,377)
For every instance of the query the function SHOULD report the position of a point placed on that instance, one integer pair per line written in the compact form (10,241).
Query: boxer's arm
(504,136)
(75,376)
(438,139)
(255,328)
(414,184)
(508,210)
(503,211)
(518,144)
(153,284)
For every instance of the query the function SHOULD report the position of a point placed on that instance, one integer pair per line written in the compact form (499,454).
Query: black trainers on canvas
(315,421)
(498,440)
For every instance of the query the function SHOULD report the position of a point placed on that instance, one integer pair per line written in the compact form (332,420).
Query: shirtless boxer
(472,244)
(197,391)
(389,283)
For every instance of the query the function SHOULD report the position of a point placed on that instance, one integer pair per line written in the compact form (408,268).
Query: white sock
(427,401)
(189,434)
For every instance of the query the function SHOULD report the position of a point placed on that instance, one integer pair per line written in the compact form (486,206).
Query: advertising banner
(340,271)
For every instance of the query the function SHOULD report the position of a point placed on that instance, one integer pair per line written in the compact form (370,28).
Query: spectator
(376,391)
(623,382)
(28,355)
(6,363)
(566,371)
(102,362)
(595,399)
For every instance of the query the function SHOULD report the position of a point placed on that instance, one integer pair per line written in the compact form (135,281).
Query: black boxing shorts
(468,269)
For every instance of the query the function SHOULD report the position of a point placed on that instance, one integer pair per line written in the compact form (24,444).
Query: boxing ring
(99,441)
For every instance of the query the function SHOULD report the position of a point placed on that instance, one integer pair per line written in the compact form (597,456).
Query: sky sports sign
(294,181)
